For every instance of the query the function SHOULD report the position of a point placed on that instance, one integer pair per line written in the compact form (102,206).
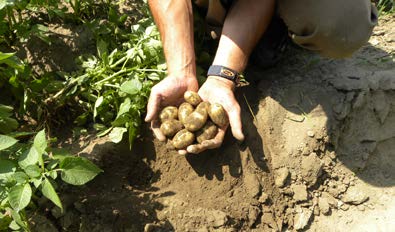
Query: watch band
(222,71)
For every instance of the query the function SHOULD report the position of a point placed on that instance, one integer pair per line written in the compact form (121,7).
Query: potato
(183,139)
(196,120)
(218,115)
(192,98)
(184,111)
(170,127)
(169,112)
(208,132)
(203,106)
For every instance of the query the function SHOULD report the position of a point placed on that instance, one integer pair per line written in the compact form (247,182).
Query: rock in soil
(302,218)
(354,196)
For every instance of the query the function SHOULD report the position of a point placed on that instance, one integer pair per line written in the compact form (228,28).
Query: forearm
(174,19)
(243,27)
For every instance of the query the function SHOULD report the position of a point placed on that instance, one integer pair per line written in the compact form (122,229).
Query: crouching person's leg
(334,28)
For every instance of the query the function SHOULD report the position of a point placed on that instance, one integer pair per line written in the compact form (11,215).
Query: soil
(319,155)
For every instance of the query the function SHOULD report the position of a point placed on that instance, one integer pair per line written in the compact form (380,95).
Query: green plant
(30,169)
(385,6)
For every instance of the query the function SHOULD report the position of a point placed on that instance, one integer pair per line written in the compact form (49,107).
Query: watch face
(227,72)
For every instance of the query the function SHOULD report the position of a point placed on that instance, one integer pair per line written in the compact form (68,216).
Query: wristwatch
(222,71)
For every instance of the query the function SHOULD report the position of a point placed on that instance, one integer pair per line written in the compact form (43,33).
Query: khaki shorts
(334,28)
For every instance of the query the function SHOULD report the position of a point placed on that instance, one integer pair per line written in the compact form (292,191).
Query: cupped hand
(219,90)
(169,91)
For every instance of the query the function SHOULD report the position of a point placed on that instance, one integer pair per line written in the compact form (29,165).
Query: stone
(311,169)
(302,218)
(281,176)
(354,196)
(310,133)
(299,192)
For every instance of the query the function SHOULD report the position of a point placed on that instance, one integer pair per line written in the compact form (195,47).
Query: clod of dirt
(299,192)
(281,176)
(268,219)
(217,218)
(252,185)
(323,205)
(354,196)
(302,218)
(311,169)
(253,213)
(263,198)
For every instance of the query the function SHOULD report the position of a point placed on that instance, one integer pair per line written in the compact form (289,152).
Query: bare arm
(174,19)
(175,22)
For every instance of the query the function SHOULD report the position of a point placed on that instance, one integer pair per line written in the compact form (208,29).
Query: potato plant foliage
(108,92)
(31,168)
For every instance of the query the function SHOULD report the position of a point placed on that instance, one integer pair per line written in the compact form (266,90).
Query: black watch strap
(222,71)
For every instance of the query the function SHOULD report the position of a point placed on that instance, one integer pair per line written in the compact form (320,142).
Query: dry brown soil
(319,155)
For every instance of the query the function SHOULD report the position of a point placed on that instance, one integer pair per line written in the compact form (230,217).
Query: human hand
(219,90)
(169,91)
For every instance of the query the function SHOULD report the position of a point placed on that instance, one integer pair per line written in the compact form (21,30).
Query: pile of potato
(194,120)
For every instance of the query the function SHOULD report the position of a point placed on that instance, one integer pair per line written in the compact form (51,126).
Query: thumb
(152,107)
(235,122)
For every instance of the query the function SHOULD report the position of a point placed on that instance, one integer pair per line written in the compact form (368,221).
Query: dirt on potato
(318,156)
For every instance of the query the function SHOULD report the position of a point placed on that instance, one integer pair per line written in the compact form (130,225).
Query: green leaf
(4,56)
(19,196)
(60,153)
(40,142)
(49,192)
(6,142)
(20,177)
(116,134)
(7,169)
(98,102)
(78,170)
(33,171)
(131,87)
(29,157)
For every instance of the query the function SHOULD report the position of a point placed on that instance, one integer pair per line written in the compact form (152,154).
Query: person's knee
(334,28)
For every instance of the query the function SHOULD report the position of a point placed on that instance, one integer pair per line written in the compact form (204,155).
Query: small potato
(183,139)
(184,111)
(196,120)
(170,127)
(169,112)
(218,115)
(203,106)
(192,98)
(208,132)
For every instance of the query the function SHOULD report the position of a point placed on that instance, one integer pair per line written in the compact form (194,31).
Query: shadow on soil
(122,198)
(300,83)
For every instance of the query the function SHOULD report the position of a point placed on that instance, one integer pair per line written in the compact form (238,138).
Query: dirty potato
(218,115)
(169,112)
(183,139)
(203,106)
(192,98)
(170,127)
(196,120)
(184,111)
(209,131)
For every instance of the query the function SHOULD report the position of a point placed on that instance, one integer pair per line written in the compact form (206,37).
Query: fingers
(155,128)
(208,144)
(235,122)
(153,105)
